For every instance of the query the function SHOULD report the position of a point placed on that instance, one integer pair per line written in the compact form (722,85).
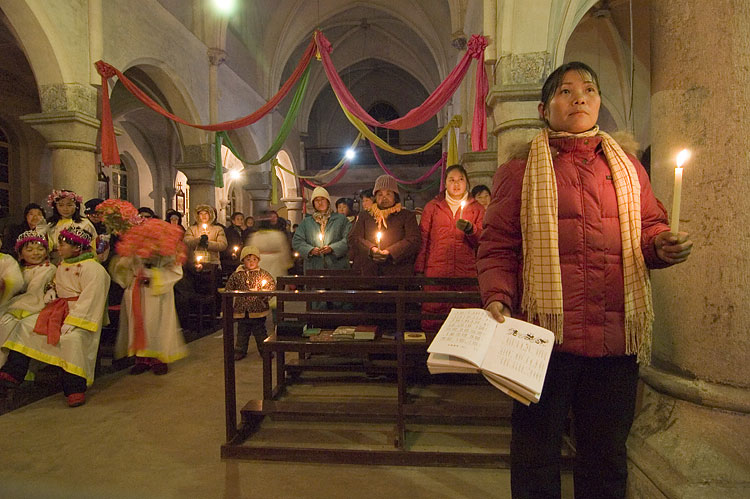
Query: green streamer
(286,126)
(422,189)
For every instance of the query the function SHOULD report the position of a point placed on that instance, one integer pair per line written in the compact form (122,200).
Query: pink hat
(386,183)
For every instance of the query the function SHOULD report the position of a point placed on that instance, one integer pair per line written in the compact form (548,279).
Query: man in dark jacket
(395,250)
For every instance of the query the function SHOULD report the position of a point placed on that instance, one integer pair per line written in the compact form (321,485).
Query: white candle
(378,236)
(682,157)
(461,212)
(320,236)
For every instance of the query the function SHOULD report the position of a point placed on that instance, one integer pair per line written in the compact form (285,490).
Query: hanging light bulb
(350,154)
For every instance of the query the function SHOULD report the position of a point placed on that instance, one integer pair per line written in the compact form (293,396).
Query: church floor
(152,436)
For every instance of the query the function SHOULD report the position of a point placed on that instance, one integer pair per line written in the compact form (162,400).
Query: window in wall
(119,181)
(4,174)
(382,111)
(232,203)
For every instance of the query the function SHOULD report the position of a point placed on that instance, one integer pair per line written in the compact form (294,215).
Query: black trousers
(250,326)
(601,392)
(18,363)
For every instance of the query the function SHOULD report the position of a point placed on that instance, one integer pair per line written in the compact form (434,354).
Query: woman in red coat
(570,234)
(450,226)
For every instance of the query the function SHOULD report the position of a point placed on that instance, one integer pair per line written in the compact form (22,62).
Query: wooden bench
(403,408)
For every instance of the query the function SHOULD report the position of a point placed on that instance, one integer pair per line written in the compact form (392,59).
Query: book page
(520,352)
(466,333)
(441,363)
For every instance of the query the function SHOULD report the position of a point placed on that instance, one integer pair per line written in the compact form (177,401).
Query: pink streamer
(334,180)
(432,104)
(441,162)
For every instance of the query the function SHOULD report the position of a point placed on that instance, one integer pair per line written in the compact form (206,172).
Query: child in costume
(66,212)
(11,280)
(251,310)
(38,275)
(149,328)
(66,332)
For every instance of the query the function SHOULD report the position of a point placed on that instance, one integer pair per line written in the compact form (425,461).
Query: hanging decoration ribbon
(373,138)
(429,186)
(331,182)
(433,103)
(110,155)
(421,179)
(286,127)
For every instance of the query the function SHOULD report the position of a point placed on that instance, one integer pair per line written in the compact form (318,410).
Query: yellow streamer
(452,158)
(372,137)
(354,145)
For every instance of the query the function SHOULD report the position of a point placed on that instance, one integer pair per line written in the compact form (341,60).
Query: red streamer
(334,180)
(110,155)
(433,103)
(424,177)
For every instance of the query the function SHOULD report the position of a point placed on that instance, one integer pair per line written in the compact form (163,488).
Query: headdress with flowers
(58,194)
(76,235)
(153,239)
(30,236)
(118,215)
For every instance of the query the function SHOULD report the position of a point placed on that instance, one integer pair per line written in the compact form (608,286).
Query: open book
(512,355)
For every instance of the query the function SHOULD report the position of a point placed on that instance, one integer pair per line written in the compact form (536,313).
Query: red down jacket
(447,251)
(589,244)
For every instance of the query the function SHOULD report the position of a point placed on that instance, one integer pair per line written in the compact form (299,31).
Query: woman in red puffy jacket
(451,224)
(570,233)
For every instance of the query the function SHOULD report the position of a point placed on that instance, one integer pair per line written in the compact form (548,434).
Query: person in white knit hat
(386,237)
(321,238)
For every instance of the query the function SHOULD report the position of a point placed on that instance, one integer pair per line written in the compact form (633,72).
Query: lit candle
(682,157)
(198,258)
(320,237)
(205,228)
(263,283)
(236,248)
(461,212)
(378,236)
(296,254)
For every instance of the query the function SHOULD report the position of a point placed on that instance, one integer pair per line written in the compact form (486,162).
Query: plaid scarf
(542,280)
(322,218)
(380,216)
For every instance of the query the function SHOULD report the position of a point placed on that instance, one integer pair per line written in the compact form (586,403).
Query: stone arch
(573,12)
(174,97)
(288,181)
(35,33)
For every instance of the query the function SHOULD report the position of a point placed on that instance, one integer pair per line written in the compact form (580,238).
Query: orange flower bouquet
(154,241)
(118,215)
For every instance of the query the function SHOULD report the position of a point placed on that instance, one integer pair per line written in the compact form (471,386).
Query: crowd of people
(564,238)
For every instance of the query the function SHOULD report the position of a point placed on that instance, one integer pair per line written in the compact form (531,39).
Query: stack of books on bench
(348,333)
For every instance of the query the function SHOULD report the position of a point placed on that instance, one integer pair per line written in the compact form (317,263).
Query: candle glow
(461,213)
(378,236)
(682,157)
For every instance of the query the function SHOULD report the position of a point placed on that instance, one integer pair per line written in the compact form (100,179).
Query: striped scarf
(542,281)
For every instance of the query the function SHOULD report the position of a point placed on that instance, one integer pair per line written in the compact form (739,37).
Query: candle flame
(379,235)
(205,226)
(463,203)
(263,282)
(198,258)
(320,236)
(682,157)
(296,254)
(236,248)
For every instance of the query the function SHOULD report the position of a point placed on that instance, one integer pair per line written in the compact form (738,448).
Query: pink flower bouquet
(118,215)
(154,240)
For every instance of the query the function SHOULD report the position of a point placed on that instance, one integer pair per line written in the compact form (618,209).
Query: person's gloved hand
(464,225)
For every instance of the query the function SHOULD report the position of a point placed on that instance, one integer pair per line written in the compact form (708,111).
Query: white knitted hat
(385,182)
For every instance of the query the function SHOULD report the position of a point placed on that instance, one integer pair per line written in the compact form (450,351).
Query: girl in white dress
(66,332)
(38,275)
(66,212)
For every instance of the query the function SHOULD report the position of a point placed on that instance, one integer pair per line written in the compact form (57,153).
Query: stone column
(692,436)
(198,166)
(69,125)
(260,191)
(293,209)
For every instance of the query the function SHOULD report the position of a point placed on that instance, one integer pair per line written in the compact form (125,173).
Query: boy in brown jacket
(251,310)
